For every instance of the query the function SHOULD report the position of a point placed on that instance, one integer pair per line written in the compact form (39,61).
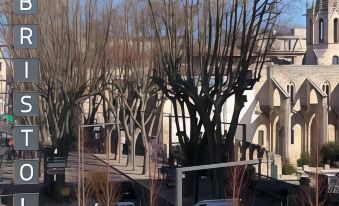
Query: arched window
(326,89)
(321,31)
(290,90)
(335,30)
(335,60)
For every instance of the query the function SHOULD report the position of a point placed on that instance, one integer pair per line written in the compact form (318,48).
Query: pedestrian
(13,152)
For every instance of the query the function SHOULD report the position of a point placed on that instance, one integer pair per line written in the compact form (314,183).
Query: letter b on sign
(26,172)
(25,6)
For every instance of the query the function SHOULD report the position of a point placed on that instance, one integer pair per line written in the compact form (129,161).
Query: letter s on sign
(26,103)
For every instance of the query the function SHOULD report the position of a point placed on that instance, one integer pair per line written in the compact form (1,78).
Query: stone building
(294,108)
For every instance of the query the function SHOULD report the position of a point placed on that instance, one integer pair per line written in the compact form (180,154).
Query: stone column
(287,127)
(323,121)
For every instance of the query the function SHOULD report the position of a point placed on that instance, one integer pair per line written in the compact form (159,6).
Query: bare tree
(139,96)
(73,45)
(208,52)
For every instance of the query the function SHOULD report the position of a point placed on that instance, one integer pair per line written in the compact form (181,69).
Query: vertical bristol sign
(26,103)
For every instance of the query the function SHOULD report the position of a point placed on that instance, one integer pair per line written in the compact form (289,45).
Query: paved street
(166,194)
(91,164)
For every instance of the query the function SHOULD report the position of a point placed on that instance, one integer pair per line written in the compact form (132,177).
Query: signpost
(26,171)
(56,165)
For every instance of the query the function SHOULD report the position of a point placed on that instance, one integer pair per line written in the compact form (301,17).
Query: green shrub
(329,153)
(288,168)
(305,159)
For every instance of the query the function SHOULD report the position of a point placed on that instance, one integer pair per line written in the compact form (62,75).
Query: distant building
(3,85)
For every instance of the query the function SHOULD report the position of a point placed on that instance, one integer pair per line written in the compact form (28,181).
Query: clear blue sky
(294,13)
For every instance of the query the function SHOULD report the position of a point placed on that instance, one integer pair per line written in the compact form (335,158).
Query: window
(292,136)
(335,30)
(310,33)
(261,137)
(326,90)
(335,60)
(290,90)
(321,31)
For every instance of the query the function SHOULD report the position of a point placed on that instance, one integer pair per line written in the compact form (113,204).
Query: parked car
(125,204)
(120,204)
(128,191)
(218,202)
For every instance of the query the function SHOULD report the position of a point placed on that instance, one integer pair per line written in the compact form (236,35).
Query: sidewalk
(166,193)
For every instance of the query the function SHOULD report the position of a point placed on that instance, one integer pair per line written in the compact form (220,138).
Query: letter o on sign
(26,179)
(26,172)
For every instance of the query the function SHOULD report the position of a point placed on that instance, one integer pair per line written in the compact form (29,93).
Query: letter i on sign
(26,199)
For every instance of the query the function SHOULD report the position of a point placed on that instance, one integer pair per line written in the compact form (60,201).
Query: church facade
(294,108)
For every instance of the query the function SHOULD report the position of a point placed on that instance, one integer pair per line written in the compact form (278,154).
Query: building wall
(311,114)
(3,77)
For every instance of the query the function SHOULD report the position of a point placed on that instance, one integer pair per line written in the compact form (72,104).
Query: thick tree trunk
(146,167)
(130,153)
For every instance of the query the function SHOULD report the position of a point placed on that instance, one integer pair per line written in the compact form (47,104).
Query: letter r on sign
(25,36)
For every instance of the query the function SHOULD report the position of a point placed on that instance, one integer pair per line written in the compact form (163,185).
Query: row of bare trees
(129,57)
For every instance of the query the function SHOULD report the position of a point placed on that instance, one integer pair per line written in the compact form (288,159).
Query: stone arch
(276,98)
(335,60)
(295,142)
(313,97)
(261,135)
(253,151)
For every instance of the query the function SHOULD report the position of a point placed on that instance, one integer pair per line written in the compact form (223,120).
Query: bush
(305,159)
(329,153)
(288,168)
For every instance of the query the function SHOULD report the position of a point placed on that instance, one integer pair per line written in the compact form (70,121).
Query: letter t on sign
(26,137)
(25,6)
